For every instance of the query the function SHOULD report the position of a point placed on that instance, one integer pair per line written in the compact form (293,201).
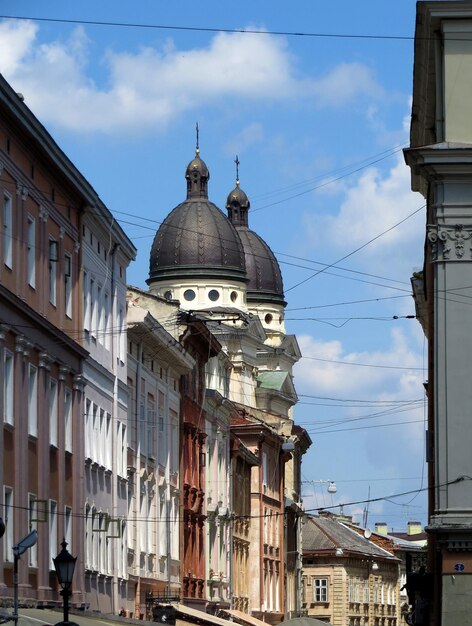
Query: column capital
(450,242)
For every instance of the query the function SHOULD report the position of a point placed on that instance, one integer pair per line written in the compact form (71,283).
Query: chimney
(381,528)
(414,528)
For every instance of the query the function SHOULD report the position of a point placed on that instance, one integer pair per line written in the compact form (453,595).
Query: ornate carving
(79,383)
(45,360)
(448,242)
(22,191)
(43,214)
(1,168)
(63,371)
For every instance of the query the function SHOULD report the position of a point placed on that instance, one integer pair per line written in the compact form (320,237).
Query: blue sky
(318,123)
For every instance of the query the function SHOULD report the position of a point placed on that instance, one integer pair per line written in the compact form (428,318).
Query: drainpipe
(261,524)
(114,494)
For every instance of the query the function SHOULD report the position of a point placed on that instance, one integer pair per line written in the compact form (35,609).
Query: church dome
(263,271)
(196,240)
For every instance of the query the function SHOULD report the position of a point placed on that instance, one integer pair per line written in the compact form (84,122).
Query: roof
(305,621)
(272,380)
(324,534)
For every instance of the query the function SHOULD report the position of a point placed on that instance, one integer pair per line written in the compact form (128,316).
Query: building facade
(440,158)
(348,579)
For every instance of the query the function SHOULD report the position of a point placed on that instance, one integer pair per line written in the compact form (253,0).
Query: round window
(189,295)
(168,295)
(234,296)
(213,295)
(268,318)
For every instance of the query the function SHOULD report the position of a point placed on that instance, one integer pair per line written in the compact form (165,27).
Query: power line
(208,29)
(364,245)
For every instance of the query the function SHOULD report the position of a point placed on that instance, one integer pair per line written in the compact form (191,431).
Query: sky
(316,102)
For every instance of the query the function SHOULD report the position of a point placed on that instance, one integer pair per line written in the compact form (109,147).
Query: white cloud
(16,40)
(373,205)
(387,388)
(345,82)
(151,87)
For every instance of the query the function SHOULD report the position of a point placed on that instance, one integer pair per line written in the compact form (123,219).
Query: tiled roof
(328,533)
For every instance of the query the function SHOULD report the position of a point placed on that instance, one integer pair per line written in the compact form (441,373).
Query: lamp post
(18,549)
(64,564)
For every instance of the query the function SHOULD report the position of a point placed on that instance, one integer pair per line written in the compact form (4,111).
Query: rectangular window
(107,322)
(8,388)
(32,401)
(68,527)
(7,230)
(53,546)
(9,523)
(53,258)
(93,309)
(100,316)
(88,429)
(68,420)
(68,284)
(33,525)
(86,302)
(52,412)
(320,590)
(31,252)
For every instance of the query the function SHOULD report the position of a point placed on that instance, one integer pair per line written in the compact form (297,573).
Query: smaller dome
(237,205)
(197,175)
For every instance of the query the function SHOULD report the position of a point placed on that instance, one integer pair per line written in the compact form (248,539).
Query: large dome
(196,239)
(263,271)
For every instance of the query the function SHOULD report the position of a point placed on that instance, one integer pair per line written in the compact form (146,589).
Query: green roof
(272,380)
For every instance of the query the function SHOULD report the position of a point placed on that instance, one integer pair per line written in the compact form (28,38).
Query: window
(93,309)
(99,314)
(189,295)
(68,420)
(7,230)
(33,524)
(68,526)
(8,388)
(320,590)
(31,252)
(214,295)
(68,284)
(53,251)
(9,523)
(53,412)
(107,332)
(86,302)
(32,401)
(53,548)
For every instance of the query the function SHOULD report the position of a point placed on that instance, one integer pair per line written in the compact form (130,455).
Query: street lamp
(64,564)
(331,484)
(18,549)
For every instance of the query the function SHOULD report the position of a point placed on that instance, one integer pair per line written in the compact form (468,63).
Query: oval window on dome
(189,295)
(268,318)
(168,295)
(214,295)
(234,296)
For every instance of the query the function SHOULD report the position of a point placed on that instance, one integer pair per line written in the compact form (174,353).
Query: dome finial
(236,160)
(197,147)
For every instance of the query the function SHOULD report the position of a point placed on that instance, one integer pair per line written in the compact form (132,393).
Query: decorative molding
(63,371)
(62,232)
(43,214)
(22,191)
(76,247)
(4,329)
(79,383)
(448,242)
(1,167)
(45,361)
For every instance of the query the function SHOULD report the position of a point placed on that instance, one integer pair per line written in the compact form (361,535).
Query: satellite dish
(367,533)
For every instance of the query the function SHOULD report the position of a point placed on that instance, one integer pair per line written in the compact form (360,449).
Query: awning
(201,616)
(244,617)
